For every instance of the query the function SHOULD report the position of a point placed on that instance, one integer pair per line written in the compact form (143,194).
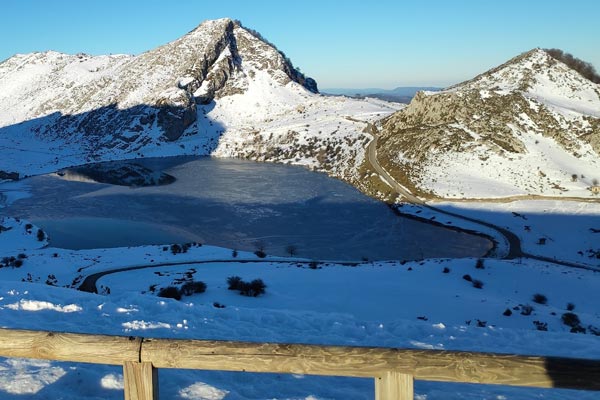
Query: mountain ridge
(528,126)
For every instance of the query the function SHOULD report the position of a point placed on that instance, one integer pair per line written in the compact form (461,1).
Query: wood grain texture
(96,349)
(430,365)
(140,381)
(394,386)
(442,366)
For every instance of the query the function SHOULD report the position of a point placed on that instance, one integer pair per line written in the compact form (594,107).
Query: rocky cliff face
(530,126)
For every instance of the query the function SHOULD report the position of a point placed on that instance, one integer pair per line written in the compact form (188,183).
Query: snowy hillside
(221,89)
(530,126)
(515,308)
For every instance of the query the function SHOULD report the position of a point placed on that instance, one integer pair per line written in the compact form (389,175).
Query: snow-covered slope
(221,89)
(18,235)
(423,305)
(530,126)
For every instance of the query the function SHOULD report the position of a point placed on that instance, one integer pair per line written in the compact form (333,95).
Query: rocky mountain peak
(491,127)
(126,102)
(537,75)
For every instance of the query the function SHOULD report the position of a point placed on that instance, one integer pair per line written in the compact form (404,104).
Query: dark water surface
(236,204)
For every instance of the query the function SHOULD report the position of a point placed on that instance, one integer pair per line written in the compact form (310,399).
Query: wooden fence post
(140,380)
(394,386)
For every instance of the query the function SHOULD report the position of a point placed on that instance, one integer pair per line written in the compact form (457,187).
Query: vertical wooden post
(140,380)
(394,386)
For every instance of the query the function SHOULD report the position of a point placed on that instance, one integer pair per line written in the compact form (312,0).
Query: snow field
(303,305)
(568,229)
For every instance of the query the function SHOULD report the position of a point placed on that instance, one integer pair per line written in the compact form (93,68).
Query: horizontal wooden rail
(95,349)
(428,365)
(393,369)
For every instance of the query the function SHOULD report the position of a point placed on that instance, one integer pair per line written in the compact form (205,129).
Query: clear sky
(344,43)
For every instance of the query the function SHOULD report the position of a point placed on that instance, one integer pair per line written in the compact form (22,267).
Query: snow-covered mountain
(529,126)
(220,89)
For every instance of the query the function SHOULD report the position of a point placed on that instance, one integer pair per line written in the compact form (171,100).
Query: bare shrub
(170,292)
(526,310)
(193,287)
(570,319)
(540,298)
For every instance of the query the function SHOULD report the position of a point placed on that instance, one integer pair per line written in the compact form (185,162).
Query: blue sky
(347,43)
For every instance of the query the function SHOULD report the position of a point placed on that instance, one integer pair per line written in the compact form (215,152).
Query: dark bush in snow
(540,298)
(507,313)
(11,261)
(570,306)
(467,278)
(191,288)
(578,329)
(540,326)
(170,292)
(51,281)
(479,264)
(41,235)
(251,289)
(260,254)
(257,287)
(526,310)
(446,270)
(570,319)
(477,284)
(234,282)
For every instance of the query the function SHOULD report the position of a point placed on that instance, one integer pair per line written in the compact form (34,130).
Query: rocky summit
(117,100)
(530,126)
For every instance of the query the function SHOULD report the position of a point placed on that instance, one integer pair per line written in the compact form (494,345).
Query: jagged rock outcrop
(528,126)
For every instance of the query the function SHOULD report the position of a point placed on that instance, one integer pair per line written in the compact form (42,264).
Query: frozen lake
(237,204)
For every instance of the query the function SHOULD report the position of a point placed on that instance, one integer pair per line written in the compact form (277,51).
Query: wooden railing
(394,370)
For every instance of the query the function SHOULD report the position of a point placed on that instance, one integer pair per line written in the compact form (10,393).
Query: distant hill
(529,126)
(402,94)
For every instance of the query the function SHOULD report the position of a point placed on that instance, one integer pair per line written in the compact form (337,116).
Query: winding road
(89,283)
(514,243)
